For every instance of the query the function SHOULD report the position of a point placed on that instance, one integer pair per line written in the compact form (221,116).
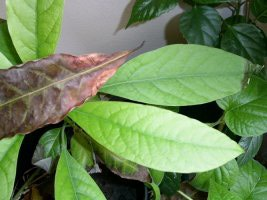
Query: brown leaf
(42,92)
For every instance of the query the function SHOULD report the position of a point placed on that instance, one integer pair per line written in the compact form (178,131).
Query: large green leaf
(145,10)
(152,136)
(259,10)
(6,46)
(246,112)
(9,150)
(224,175)
(251,182)
(4,62)
(201,25)
(72,182)
(251,145)
(34,26)
(219,192)
(245,40)
(179,75)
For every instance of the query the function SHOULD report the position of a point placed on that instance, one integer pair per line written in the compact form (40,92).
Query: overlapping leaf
(44,91)
(4,62)
(34,26)
(259,10)
(153,137)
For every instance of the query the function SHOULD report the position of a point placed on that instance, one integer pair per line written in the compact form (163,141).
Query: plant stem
(247,10)
(63,142)
(184,195)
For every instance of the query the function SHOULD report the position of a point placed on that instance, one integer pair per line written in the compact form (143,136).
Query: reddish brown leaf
(44,91)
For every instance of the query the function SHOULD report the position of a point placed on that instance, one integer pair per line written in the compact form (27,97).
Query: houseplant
(135,140)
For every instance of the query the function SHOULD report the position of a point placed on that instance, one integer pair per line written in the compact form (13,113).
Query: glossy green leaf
(4,62)
(72,182)
(219,192)
(259,10)
(152,136)
(81,149)
(179,75)
(201,25)
(6,45)
(245,40)
(251,145)
(9,150)
(224,175)
(170,183)
(34,26)
(157,176)
(144,10)
(246,112)
(251,182)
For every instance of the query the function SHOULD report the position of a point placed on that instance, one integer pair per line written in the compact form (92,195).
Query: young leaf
(152,136)
(6,45)
(39,25)
(170,183)
(44,91)
(224,175)
(251,182)
(251,145)
(219,192)
(4,62)
(201,25)
(246,112)
(72,182)
(245,40)
(9,150)
(259,10)
(145,10)
(179,75)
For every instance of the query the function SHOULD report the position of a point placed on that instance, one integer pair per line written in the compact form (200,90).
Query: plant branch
(184,195)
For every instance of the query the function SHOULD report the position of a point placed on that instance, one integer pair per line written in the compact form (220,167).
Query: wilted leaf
(179,75)
(44,91)
(34,26)
(145,10)
(152,136)
(259,10)
(9,150)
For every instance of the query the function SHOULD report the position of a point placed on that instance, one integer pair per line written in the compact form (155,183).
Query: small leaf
(246,112)
(39,24)
(251,182)
(224,175)
(251,145)
(170,183)
(219,192)
(157,176)
(4,62)
(145,10)
(44,91)
(259,10)
(201,25)
(179,75)
(81,149)
(245,40)
(153,137)
(72,182)
(6,45)
(9,150)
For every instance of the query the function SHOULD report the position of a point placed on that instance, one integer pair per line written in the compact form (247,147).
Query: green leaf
(9,150)
(157,176)
(34,26)
(81,149)
(4,62)
(219,192)
(6,45)
(72,182)
(259,10)
(145,10)
(201,25)
(246,112)
(179,75)
(224,175)
(245,40)
(251,182)
(214,1)
(156,190)
(152,136)
(251,145)
(170,183)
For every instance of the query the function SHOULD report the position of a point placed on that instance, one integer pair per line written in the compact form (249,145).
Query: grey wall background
(98,26)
